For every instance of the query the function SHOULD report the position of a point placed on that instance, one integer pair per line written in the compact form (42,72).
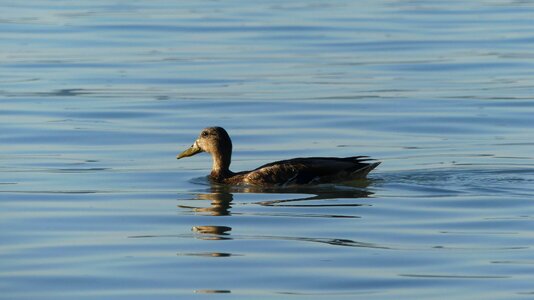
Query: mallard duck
(296,171)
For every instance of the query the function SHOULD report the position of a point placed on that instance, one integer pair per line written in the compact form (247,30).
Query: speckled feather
(310,170)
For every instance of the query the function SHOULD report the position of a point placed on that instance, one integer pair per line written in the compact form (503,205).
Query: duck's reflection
(213,291)
(220,203)
(216,200)
(207,254)
(221,197)
(212,232)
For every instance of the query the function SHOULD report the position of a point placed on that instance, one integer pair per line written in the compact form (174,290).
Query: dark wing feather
(311,170)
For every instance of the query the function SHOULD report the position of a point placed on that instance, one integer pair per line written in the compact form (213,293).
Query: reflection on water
(210,232)
(221,197)
(213,291)
(220,204)
(210,254)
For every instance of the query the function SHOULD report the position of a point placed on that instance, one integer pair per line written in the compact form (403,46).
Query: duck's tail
(362,172)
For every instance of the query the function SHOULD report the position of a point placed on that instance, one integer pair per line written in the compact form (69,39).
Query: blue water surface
(98,97)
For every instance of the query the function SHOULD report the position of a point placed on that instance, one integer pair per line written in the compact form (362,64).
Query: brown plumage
(296,171)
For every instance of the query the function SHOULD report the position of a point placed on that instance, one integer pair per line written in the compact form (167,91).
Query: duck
(290,172)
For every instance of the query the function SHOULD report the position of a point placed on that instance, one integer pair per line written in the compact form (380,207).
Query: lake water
(98,97)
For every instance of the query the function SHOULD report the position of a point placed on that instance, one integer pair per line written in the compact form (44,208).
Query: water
(98,97)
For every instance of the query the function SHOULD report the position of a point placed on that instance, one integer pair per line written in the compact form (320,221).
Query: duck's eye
(204,134)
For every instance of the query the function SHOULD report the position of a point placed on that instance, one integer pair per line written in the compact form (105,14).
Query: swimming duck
(296,171)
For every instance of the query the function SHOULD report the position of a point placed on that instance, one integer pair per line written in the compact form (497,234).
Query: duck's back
(309,170)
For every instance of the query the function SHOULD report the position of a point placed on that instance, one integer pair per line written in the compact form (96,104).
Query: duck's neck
(221,166)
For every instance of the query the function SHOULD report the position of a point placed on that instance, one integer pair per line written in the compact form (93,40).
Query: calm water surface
(97,98)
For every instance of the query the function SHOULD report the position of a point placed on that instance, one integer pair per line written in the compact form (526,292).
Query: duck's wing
(312,170)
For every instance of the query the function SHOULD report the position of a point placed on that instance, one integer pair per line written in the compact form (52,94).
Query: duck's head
(214,140)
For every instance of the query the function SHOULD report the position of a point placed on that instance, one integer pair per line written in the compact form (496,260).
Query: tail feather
(362,172)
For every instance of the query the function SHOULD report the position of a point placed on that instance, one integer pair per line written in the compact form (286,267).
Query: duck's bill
(194,149)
